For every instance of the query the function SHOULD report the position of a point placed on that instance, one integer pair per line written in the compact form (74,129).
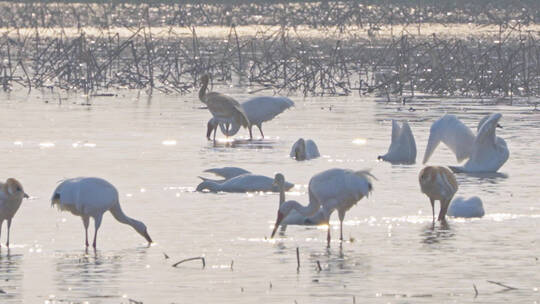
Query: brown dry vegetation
(310,48)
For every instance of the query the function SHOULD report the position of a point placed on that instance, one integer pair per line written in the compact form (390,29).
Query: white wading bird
(242,183)
(225,109)
(295,218)
(258,110)
(91,197)
(11,196)
(438,183)
(486,152)
(471,207)
(304,150)
(402,149)
(330,190)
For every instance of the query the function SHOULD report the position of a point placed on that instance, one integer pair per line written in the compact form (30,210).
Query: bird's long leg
(341,215)
(444,209)
(1,223)
(260,129)
(86,222)
(97,223)
(8,228)
(250,133)
(215,130)
(328,237)
(432,208)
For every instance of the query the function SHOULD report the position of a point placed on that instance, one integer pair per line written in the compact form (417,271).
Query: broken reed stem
(297,258)
(319,268)
(191,259)
(502,285)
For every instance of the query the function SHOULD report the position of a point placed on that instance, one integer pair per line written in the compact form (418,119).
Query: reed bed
(94,48)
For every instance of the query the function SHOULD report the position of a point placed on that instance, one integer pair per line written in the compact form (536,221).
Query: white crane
(485,152)
(402,148)
(224,109)
(333,189)
(11,196)
(242,183)
(304,150)
(91,197)
(438,183)
(258,110)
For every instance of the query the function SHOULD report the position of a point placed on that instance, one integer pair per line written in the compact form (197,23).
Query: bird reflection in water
(10,276)
(243,143)
(433,234)
(81,275)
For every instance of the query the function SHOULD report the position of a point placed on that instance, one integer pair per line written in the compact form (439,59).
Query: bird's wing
(454,134)
(265,108)
(447,182)
(294,147)
(85,195)
(224,107)
(311,149)
(489,152)
(227,172)
(407,140)
(248,183)
(396,131)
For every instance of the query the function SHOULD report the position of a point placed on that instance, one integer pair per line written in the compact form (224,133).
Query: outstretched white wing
(454,134)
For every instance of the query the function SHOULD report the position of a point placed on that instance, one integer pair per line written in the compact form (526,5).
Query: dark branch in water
(191,259)
(502,285)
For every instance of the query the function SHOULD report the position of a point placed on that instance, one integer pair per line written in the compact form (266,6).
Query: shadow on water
(436,233)
(243,143)
(88,275)
(10,277)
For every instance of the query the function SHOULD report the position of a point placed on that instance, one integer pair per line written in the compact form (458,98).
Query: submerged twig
(298,258)
(191,259)
(502,285)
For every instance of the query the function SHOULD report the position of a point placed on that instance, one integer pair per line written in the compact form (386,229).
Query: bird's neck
(281,195)
(202,91)
(120,216)
(308,210)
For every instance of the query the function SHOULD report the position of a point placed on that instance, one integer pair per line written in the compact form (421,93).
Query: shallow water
(154,148)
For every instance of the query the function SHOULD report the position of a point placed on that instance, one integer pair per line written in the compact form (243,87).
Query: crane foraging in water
(225,109)
(333,189)
(91,197)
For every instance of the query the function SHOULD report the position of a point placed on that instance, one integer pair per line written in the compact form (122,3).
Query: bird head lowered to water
(140,227)
(14,189)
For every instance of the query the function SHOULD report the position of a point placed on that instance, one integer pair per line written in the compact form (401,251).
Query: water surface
(153,149)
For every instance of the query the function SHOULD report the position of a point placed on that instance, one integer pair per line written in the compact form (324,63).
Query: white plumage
(304,150)
(485,151)
(467,208)
(489,152)
(242,183)
(227,172)
(11,196)
(91,197)
(334,189)
(258,110)
(402,149)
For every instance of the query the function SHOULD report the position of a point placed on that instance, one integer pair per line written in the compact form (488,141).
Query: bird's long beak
(148,238)
(26,195)
(278,221)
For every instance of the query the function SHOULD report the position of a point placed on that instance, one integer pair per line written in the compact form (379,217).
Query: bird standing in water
(11,196)
(438,183)
(225,109)
(91,197)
